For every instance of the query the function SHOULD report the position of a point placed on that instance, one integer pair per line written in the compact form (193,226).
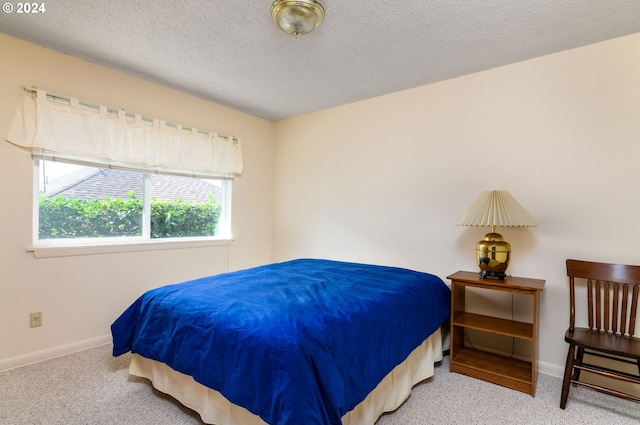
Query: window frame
(43,248)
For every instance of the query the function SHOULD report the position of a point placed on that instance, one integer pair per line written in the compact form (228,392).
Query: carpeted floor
(91,387)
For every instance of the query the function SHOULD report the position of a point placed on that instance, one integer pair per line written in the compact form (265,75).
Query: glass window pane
(82,202)
(88,202)
(184,207)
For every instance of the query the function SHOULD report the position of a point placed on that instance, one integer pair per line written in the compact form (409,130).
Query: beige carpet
(91,387)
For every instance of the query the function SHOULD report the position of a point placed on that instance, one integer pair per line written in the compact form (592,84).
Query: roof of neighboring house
(97,183)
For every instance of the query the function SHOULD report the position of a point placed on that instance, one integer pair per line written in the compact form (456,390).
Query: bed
(302,342)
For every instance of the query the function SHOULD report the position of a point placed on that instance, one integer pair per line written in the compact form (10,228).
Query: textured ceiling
(231,52)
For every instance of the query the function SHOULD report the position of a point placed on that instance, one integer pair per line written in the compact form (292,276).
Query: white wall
(383,180)
(81,296)
(379,181)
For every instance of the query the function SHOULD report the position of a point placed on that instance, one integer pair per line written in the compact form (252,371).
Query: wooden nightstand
(502,370)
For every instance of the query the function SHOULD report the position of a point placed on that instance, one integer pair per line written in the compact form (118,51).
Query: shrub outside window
(77,204)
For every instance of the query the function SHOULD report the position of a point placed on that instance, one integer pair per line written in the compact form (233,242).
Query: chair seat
(604,341)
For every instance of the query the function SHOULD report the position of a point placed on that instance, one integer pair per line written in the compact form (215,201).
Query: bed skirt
(213,408)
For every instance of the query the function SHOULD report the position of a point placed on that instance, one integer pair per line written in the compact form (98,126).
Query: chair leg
(568,368)
(578,362)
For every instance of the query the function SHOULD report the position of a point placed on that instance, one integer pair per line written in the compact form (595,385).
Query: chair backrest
(612,295)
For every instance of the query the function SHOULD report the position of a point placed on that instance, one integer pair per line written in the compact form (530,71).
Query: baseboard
(551,369)
(63,350)
(51,353)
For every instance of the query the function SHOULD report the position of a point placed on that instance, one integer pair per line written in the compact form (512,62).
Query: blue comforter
(297,343)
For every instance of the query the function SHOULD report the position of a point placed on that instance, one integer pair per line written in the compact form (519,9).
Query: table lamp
(495,208)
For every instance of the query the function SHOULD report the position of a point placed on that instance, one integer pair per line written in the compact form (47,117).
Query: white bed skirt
(213,408)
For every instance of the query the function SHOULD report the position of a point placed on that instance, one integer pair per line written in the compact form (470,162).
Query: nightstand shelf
(494,325)
(502,370)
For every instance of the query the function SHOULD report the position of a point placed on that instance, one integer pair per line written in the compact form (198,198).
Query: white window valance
(66,129)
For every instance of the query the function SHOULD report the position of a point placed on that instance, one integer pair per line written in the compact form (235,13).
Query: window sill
(113,248)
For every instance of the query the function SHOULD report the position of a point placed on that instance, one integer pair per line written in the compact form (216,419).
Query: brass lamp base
(493,255)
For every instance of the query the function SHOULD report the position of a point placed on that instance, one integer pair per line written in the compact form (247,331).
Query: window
(78,204)
(104,175)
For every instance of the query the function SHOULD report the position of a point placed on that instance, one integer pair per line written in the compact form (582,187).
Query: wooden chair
(612,297)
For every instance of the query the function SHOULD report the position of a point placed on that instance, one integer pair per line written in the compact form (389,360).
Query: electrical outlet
(35,319)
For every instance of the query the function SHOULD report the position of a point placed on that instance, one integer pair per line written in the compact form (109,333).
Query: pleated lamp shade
(495,208)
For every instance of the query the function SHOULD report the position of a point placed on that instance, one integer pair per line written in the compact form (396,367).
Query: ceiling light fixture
(297,17)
